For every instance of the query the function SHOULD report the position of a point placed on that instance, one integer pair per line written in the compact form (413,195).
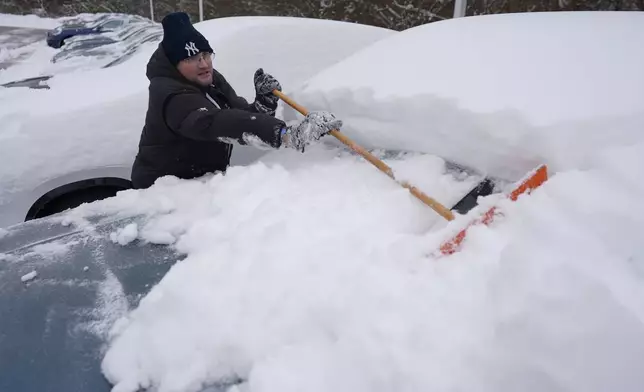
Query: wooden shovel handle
(435,205)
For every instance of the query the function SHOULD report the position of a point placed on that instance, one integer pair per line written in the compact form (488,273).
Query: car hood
(56,325)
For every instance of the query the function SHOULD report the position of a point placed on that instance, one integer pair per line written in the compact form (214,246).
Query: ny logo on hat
(191,48)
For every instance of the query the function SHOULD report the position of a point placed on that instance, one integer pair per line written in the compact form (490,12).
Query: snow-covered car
(90,27)
(76,141)
(108,39)
(494,94)
(117,35)
(317,272)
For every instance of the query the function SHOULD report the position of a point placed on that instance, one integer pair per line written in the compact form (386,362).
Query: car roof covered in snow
(498,92)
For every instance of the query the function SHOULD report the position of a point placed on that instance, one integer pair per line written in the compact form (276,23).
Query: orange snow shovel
(435,205)
(531,181)
(527,184)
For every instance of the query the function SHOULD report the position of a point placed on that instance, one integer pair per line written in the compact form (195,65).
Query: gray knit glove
(265,100)
(313,127)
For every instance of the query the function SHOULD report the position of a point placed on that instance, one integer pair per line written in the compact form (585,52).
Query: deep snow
(501,93)
(317,272)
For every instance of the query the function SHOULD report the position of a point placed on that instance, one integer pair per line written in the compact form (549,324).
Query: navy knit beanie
(180,38)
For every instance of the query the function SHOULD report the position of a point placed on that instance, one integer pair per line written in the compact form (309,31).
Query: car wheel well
(76,193)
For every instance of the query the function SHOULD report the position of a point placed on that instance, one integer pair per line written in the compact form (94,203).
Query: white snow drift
(316,273)
(499,92)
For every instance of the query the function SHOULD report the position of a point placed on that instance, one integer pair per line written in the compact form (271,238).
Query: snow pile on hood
(497,92)
(315,272)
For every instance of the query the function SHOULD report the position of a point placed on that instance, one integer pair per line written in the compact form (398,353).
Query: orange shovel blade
(531,181)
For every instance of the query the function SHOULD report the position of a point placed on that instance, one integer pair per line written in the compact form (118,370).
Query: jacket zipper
(228,145)
(211,99)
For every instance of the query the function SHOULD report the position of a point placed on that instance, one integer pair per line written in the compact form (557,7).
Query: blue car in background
(107,23)
(104,40)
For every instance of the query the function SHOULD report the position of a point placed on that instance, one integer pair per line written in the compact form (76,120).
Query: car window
(112,24)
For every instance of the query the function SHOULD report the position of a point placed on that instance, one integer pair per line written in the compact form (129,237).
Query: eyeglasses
(205,56)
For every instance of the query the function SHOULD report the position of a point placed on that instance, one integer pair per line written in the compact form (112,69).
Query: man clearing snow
(193,113)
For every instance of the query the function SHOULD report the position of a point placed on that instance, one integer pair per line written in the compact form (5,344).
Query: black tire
(76,198)
(74,194)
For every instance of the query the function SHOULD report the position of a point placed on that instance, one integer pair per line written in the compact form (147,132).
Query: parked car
(110,44)
(82,149)
(75,27)
(107,40)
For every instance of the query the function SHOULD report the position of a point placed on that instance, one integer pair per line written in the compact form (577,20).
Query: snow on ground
(501,103)
(28,21)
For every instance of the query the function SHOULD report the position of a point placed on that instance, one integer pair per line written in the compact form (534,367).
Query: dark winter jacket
(185,132)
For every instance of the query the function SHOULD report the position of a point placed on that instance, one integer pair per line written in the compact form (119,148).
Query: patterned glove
(313,127)
(265,100)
